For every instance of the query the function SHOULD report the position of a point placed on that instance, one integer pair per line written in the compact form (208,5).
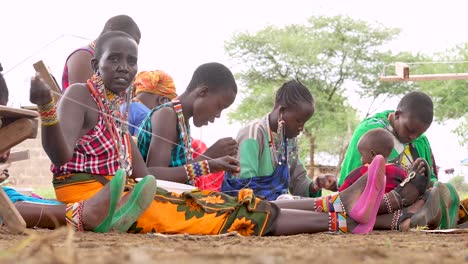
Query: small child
(376,142)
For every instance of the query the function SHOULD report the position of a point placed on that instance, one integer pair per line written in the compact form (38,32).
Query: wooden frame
(402,74)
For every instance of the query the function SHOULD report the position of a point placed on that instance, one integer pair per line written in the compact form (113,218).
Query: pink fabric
(211,181)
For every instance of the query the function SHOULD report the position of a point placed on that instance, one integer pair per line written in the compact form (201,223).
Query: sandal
(416,183)
(74,211)
(140,199)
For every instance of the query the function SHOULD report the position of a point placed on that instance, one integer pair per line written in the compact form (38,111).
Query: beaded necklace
(116,121)
(184,129)
(284,150)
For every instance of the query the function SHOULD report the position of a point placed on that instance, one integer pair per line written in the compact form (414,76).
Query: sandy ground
(65,246)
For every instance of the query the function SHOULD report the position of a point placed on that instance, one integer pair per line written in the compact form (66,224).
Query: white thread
(150,132)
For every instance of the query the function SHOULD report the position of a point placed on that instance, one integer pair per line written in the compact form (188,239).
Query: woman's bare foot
(427,212)
(405,225)
(95,209)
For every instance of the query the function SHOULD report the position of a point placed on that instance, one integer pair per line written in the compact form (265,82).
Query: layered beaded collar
(109,105)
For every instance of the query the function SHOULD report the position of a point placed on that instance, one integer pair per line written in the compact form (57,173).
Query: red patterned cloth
(211,181)
(94,153)
(394,173)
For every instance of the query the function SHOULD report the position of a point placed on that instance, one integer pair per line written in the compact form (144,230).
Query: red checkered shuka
(94,153)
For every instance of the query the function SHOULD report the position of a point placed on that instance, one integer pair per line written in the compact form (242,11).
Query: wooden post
(47,77)
(402,70)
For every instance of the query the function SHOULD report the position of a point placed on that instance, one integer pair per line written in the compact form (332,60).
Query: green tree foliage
(459,183)
(450,97)
(326,54)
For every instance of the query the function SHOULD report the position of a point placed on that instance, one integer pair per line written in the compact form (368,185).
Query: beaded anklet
(330,203)
(74,215)
(395,220)
(337,222)
(48,113)
(196,170)
(388,204)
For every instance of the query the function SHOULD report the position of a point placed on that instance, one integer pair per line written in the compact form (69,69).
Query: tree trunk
(345,147)
(311,155)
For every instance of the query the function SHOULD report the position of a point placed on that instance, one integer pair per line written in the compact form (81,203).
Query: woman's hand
(40,92)
(226,163)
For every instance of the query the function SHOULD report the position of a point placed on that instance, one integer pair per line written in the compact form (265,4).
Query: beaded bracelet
(197,169)
(48,113)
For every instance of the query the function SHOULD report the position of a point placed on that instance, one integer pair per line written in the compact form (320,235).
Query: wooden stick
(16,132)
(29,107)
(10,216)
(426,77)
(42,69)
(18,156)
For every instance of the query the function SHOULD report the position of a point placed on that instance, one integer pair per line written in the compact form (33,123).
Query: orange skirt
(196,212)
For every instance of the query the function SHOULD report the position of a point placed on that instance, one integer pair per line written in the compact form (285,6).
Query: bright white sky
(177,36)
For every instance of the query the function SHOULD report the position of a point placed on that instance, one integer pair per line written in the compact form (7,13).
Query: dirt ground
(65,246)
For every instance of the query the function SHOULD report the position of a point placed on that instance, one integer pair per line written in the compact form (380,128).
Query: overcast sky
(177,36)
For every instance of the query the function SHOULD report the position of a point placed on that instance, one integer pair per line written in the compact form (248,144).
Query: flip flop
(419,183)
(449,203)
(140,199)
(117,185)
(371,197)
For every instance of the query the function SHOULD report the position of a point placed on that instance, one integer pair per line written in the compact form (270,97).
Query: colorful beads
(48,113)
(197,169)
(337,222)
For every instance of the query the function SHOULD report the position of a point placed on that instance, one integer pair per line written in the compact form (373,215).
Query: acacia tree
(326,54)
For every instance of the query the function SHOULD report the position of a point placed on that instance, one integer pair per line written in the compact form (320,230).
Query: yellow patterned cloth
(197,212)
(155,82)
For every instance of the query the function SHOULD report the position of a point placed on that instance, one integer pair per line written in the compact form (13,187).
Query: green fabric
(352,159)
(256,159)
(449,203)
(60,181)
(251,164)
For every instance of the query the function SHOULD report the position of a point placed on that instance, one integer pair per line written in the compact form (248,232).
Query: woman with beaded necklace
(88,143)
(268,150)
